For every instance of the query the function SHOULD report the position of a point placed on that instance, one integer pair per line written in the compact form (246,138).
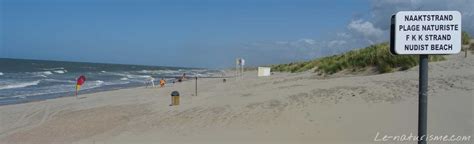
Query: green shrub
(377,56)
(465,38)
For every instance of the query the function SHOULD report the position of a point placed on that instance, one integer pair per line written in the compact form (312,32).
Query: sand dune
(283,108)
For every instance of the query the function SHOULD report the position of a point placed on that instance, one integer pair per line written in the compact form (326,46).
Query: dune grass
(465,38)
(377,56)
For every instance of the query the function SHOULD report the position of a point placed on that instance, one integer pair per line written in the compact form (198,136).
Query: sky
(200,33)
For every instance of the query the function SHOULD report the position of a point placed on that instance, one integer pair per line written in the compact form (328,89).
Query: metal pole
(465,52)
(236,68)
(196,89)
(423,99)
(241,71)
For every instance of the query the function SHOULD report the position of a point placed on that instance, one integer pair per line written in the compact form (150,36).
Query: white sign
(264,71)
(427,32)
(240,61)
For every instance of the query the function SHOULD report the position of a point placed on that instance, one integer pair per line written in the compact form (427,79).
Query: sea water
(32,80)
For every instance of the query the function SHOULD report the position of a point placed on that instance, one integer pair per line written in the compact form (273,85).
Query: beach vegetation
(376,56)
(465,38)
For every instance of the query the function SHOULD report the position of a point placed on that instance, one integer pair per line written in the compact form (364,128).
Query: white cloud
(381,10)
(335,43)
(308,41)
(366,29)
(343,35)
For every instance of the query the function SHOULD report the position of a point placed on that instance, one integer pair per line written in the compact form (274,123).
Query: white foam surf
(58,68)
(99,82)
(60,71)
(19,85)
(47,72)
(61,81)
(138,76)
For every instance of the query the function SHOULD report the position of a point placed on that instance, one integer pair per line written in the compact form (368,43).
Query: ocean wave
(60,71)
(1,73)
(40,74)
(167,72)
(25,95)
(55,80)
(200,75)
(19,85)
(64,88)
(52,69)
(58,68)
(155,72)
(129,76)
(124,78)
(99,82)
(46,72)
(138,76)
(145,71)
(198,70)
(114,73)
(116,83)
(92,84)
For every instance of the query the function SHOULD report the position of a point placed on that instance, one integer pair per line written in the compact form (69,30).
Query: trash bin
(174,98)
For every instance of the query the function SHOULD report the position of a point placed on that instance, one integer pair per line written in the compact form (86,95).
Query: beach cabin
(264,71)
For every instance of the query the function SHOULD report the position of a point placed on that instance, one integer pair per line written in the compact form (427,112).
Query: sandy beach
(282,108)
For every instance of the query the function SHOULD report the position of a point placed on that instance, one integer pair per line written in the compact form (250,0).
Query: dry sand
(283,108)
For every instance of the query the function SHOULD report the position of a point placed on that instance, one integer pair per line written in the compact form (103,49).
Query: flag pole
(76,91)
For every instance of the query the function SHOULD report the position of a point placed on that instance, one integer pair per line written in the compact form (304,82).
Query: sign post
(196,88)
(239,67)
(242,63)
(423,33)
(423,99)
(237,72)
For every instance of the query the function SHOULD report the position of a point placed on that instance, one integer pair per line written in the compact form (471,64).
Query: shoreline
(42,97)
(59,95)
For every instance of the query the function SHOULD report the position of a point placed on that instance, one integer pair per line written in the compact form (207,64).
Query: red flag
(80,81)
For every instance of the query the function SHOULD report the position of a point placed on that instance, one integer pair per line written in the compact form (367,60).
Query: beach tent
(264,71)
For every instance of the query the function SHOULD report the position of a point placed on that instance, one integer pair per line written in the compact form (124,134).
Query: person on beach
(150,81)
(162,82)
(183,77)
